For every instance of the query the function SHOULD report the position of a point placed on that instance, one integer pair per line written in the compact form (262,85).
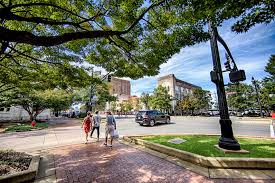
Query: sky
(250,51)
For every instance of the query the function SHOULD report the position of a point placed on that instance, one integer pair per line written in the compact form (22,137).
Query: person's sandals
(105,144)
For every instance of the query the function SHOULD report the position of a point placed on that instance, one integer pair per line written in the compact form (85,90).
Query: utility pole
(227,139)
(254,82)
(90,107)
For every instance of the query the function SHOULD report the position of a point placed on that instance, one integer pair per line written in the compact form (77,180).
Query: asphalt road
(196,125)
(68,131)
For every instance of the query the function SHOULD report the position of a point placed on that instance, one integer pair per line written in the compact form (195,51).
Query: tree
(114,35)
(145,99)
(135,103)
(197,100)
(269,81)
(101,92)
(36,101)
(161,99)
(126,106)
(202,98)
(268,86)
(57,100)
(241,96)
(28,74)
(127,38)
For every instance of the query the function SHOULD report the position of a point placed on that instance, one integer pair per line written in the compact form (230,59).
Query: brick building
(120,88)
(178,89)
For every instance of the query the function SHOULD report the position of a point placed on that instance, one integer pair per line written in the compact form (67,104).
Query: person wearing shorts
(110,128)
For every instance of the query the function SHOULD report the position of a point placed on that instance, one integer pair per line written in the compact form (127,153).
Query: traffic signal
(109,77)
(227,63)
(227,66)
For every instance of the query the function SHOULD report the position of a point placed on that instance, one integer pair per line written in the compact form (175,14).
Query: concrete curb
(208,162)
(23,176)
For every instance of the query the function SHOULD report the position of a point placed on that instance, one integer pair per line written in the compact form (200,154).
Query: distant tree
(188,104)
(35,102)
(57,100)
(135,103)
(161,99)
(202,98)
(145,99)
(268,86)
(241,96)
(100,91)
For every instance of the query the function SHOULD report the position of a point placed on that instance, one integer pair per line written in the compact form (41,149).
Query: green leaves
(197,100)
(160,99)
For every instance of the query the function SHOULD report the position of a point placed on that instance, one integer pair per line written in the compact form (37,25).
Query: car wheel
(152,122)
(168,120)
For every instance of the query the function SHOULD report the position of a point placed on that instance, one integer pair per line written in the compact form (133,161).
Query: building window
(8,109)
(2,109)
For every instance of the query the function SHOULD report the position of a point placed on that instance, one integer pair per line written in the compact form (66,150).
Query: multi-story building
(178,89)
(120,88)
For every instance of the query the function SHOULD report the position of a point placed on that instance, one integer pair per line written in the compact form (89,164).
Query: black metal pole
(227,140)
(91,93)
(258,98)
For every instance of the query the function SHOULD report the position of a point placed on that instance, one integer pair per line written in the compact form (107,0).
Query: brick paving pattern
(96,163)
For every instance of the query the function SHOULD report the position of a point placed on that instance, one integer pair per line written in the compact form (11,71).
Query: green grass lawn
(26,127)
(204,145)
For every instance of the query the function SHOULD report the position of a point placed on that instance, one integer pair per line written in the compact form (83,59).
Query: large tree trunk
(31,117)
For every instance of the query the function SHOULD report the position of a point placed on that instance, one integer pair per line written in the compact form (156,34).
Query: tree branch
(142,15)
(29,38)
(23,54)
(128,54)
(7,15)
(149,23)
(45,4)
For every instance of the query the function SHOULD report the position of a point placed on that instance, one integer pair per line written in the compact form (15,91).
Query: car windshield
(141,113)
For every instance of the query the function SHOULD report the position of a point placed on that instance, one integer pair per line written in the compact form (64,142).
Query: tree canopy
(126,37)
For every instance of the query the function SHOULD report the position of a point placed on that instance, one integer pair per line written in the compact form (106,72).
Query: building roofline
(177,80)
(184,82)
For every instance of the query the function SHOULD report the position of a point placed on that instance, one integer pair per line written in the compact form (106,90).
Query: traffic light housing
(236,76)
(109,77)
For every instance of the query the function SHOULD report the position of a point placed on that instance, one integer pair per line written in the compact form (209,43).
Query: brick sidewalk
(96,163)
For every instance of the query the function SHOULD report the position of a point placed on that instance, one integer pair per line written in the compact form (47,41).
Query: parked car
(151,117)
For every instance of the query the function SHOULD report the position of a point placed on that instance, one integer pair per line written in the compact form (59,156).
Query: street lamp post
(90,107)
(254,82)
(227,139)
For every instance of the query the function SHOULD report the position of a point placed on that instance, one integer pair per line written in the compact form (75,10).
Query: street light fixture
(254,82)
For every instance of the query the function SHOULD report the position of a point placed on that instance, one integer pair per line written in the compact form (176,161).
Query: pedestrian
(96,124)
(110,128)
(86,125)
